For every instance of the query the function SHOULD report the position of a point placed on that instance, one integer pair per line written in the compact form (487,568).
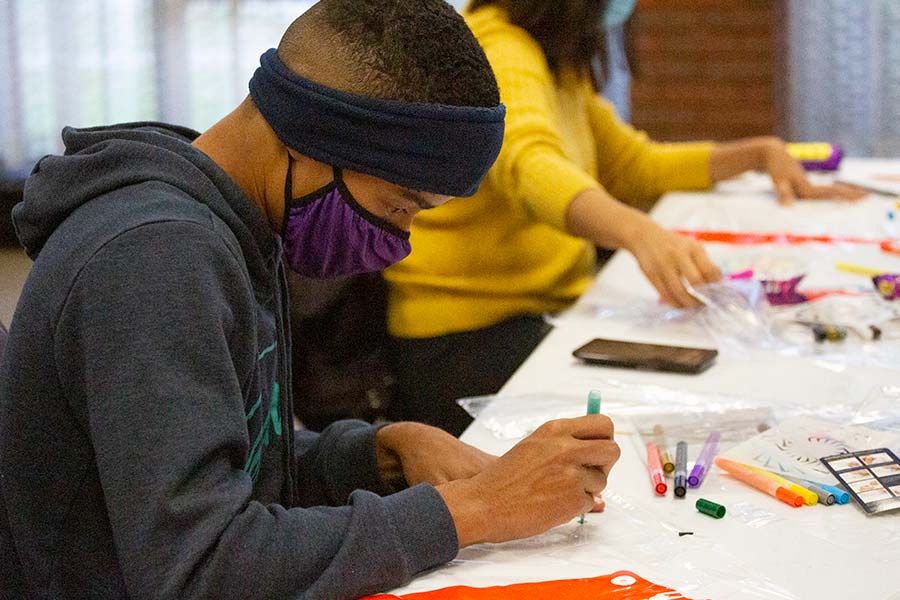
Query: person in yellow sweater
(465,308)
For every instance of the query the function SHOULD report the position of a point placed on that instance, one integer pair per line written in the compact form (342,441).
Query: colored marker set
(792,491)
(659,462)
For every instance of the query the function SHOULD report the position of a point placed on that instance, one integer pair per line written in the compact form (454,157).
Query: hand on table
(545,480)
(667,258)
(424,454)
(790,179)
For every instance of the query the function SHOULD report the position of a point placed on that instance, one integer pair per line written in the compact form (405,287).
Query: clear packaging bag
(880,409)
(737,315)
(515,416)
(870,329)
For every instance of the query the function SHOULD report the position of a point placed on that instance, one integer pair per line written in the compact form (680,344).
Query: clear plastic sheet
(624,303)
(728,558)
(640,311)
(752,515)
(735,424)
(666,541)
(739,321)
(687,413)
(761,548)
(767,265)
(839,296)
(758,212)
(630,533)
(735,314)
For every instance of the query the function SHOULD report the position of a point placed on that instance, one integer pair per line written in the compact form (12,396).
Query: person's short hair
(408,50)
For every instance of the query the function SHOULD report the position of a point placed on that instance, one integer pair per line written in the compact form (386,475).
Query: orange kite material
(742,238)
(621,585)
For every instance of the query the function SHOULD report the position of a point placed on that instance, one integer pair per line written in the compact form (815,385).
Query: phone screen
(646,356)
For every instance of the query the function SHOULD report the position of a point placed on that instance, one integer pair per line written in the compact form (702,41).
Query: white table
(762,548)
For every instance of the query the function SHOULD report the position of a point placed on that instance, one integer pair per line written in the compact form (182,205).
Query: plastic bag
(867,316)
(514,416)
(869,327)
(880,409)
(737,315)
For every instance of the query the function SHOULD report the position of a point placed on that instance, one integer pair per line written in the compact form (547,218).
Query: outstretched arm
(769,154)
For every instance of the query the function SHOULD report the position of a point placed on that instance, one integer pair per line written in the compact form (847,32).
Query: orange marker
(760,482)
(809,498)
(656,470)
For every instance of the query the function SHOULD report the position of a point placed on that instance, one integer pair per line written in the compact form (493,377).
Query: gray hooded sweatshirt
(146,445)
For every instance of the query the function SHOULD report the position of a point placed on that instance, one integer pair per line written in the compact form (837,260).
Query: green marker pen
(593,408)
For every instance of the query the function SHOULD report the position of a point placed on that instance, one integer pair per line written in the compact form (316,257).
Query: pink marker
(748,274)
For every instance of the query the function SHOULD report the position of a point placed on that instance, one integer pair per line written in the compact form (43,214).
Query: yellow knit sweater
(505,251)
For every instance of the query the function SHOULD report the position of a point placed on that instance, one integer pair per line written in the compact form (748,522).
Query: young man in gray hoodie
(146,439)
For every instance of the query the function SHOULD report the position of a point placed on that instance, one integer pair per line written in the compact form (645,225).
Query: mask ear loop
(288,192)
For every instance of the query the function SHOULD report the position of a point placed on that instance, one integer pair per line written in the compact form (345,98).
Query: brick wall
(707,69)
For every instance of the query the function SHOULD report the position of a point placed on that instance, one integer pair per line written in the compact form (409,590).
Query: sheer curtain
(844,74)
(90,62)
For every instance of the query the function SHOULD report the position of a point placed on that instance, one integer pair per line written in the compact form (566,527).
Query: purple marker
(704,460)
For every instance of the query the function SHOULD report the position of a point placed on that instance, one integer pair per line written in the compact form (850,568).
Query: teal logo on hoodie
(272,423)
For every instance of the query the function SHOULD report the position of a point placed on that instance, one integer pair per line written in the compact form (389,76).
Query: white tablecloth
(762,548)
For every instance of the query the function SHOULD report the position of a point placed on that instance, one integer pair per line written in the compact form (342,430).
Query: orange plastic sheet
(744,238)
(621,585)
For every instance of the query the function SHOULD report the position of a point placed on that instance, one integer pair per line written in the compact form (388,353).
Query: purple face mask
(328,234)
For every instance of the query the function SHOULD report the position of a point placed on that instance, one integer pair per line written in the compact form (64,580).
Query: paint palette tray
(871,476)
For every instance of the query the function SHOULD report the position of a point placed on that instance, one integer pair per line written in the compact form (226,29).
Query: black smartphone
(653,357)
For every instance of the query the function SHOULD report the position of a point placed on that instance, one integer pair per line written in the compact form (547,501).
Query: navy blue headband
(427,147)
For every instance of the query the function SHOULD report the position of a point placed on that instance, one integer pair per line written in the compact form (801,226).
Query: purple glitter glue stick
(783,291)
(888,285)
(817,156)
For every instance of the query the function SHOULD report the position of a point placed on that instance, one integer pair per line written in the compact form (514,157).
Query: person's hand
(667,258)
(545,480)
(790,179)
(419,453)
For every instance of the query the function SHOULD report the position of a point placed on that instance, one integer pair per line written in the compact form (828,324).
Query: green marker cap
(710,508)
(593,407)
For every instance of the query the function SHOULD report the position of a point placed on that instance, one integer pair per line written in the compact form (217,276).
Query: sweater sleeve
(532,168)
(333,464)
(146,343)
(637,170)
